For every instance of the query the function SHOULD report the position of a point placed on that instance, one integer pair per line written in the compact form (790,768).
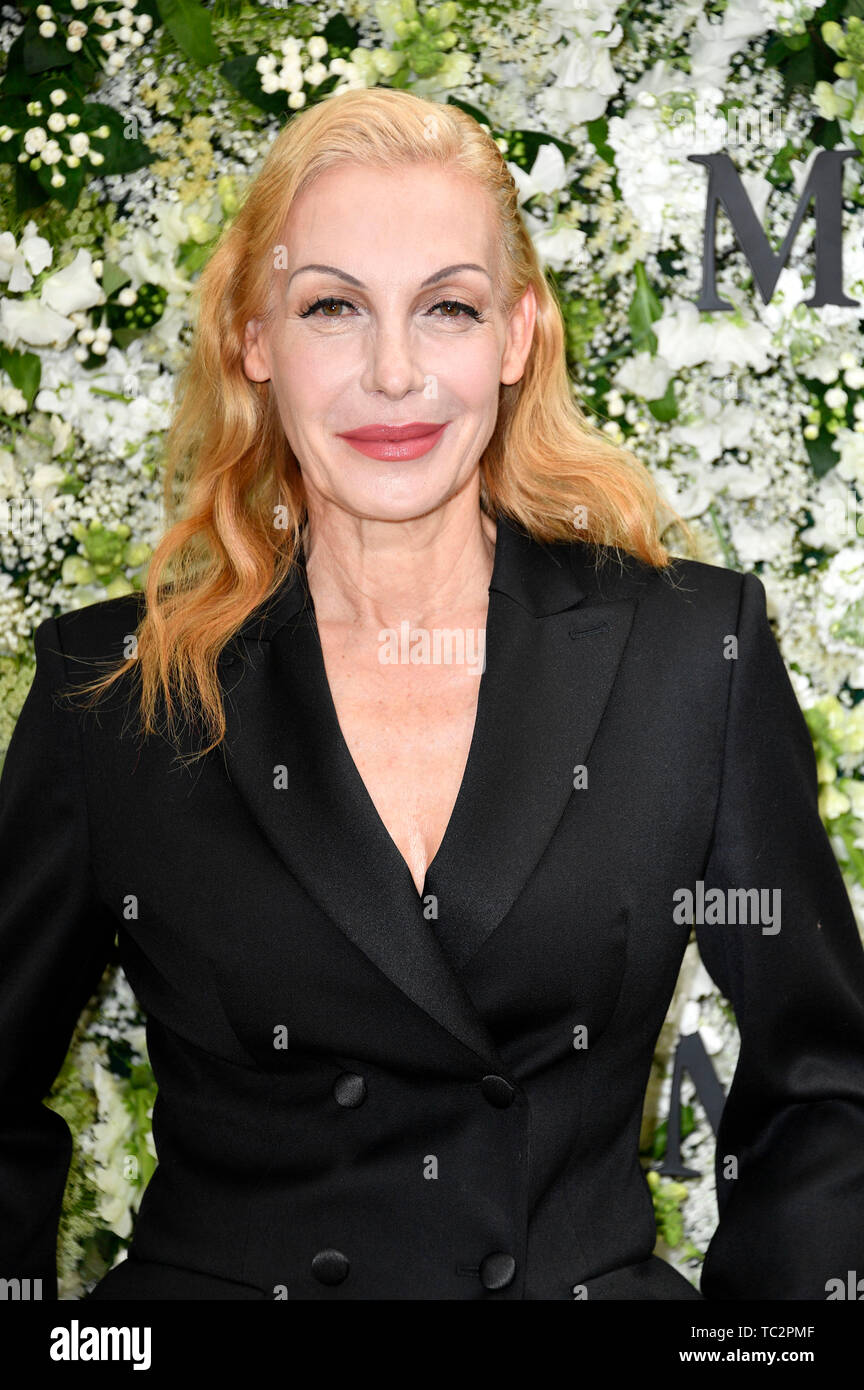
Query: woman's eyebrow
(432,279)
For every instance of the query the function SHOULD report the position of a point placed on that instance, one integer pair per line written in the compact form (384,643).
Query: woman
(407,927)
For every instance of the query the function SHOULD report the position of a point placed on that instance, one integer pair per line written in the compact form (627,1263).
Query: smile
(395,448)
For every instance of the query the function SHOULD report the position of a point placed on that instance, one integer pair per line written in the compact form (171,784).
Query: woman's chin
(408,504)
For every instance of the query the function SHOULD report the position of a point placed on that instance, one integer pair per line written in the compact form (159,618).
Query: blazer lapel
(549,671)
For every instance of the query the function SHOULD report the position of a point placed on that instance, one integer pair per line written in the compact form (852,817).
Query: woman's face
(396,322)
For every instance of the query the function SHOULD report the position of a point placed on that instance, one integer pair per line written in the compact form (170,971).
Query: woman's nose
(393,360)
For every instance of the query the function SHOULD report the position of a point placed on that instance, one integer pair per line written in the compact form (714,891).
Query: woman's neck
(374,574)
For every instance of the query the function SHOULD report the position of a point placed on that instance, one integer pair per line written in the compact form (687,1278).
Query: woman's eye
(456,304)
(324,303)
(449,304)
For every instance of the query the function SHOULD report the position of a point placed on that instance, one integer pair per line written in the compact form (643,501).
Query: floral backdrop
(127,136)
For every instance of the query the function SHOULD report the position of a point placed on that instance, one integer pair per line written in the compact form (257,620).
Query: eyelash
(474,314)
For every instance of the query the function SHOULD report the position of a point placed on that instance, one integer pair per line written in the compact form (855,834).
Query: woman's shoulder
(97,630)
(684,586)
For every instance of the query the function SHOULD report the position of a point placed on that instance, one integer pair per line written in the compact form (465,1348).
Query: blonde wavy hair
(230,470)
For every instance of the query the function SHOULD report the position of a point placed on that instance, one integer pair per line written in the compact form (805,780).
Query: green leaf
(113,277)
(479,116)
(245,78)
(12,113)
(799,74)
(192,255)
(29,192)
(69,192)
(775,51)
(123,151)
(823,456)
(24,370)
(37,54)
(339,33)
(533,139)
(644,309)
(666,407)
(191,27)
(597,132)
(16,81)
(124,336)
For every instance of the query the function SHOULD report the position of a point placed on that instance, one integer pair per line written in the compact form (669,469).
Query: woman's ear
(255,358)
(520,334)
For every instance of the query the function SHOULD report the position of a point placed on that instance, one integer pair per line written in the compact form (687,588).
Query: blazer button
(330,1266)
(349,1089)
(497,1270)
(497,1090)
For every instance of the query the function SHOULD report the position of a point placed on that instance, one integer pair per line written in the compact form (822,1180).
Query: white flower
(722,426)
(715,45)
(685,339)
(644,376)
(712,1039)
(690,1017)
(585,79)
(689,499)
(832,802)
(74,287)
(754,541)
(46,477)
(583,17)
(849,444)
(33,253)
(559,245)
(151,254)
(51,153)
(35,139)
(855,792)
(741,481)
(548,173)
(662,189)
(834,507)
(10,479)
(29,321)
(12,401)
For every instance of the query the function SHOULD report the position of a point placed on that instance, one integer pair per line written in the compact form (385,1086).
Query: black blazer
(361,1100)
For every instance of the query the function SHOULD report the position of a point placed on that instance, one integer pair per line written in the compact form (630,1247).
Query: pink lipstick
(409,441)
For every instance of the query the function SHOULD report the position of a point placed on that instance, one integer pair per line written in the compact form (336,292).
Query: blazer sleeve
(55,940)
(790,1144)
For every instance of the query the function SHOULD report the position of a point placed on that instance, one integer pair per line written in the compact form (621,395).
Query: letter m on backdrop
(824,184)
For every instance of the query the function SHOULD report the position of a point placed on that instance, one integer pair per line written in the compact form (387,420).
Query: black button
(497,1090)
(349,1089)
(330,1266)
(497,1270)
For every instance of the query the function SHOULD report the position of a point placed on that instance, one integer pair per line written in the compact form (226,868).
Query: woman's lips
(412,445)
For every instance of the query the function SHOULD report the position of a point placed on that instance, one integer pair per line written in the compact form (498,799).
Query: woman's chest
(408,727)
